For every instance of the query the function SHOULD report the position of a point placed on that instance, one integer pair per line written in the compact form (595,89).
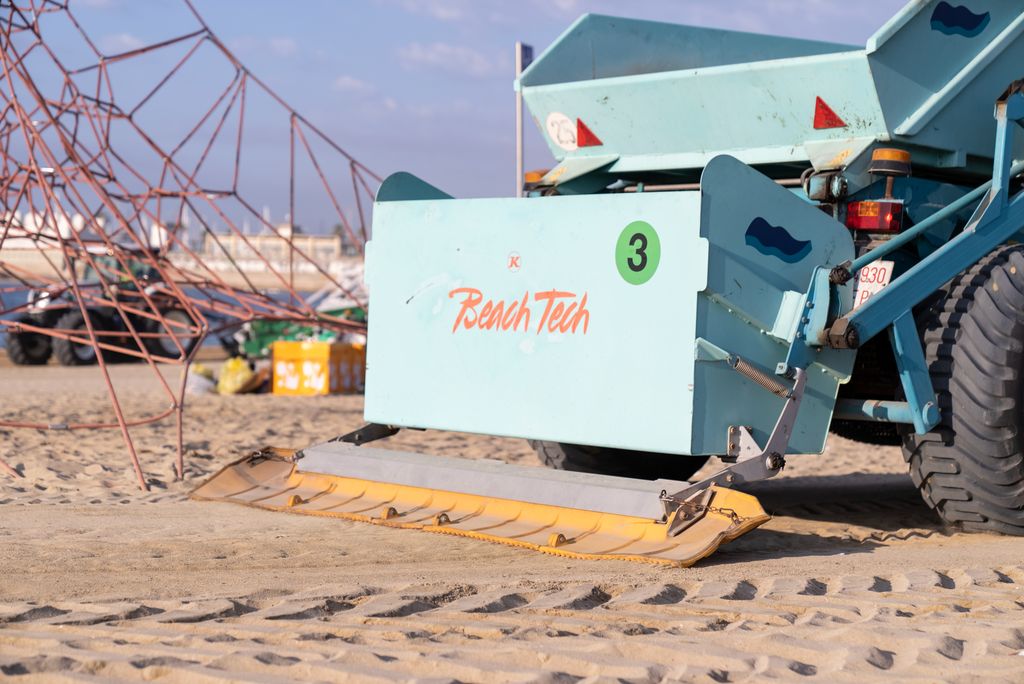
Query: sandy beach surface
(853,580)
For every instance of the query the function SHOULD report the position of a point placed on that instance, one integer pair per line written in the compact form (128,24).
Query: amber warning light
(875,217)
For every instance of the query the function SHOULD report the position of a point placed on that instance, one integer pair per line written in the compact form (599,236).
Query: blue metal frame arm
(984,233)
(913,370)
(995,221)
(875,410)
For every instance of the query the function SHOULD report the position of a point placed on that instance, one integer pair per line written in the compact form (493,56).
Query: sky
(425,86)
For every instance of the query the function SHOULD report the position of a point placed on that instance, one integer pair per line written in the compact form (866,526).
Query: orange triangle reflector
(824,117)
(585,137)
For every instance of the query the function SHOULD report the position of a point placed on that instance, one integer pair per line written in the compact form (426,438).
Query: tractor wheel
(71,353)
(28,348)
(642,465)
(970,468)
(164,346)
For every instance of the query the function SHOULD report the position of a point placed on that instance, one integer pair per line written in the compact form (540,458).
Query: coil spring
(760,377)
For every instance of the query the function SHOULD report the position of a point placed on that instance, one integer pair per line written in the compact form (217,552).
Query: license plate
(871,280)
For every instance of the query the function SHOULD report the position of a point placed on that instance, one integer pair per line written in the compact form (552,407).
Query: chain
(727,512)
(693,510)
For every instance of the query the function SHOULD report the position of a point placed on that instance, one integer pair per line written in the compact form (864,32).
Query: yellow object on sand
(202,371)
(236,377)
(311,367)
(273,479)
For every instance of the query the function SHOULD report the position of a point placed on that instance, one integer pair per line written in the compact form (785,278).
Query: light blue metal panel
(672,97)
(599,46)
(760,112)
(938,65)
(764,242)
(624,378)
(625,375)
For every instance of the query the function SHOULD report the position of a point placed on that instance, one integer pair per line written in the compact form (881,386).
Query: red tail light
(875,217)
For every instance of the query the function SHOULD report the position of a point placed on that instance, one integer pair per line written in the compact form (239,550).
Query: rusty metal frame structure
(71,194)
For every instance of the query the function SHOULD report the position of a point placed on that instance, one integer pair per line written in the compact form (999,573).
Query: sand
(853,580)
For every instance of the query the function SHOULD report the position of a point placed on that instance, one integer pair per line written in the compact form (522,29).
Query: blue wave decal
(776,241)
(958,20)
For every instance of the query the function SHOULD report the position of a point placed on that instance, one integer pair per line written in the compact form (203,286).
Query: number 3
(641,252)
(637,252)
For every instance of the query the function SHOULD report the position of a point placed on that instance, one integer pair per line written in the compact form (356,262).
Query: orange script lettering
(562,313)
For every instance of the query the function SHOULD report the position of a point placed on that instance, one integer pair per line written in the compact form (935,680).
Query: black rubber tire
(642,465)
(164,346)
(72,354)
(28,348)
(970,468)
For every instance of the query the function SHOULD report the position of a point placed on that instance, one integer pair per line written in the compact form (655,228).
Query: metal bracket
(370,432)
(812,329)
(914,375)
(753,463)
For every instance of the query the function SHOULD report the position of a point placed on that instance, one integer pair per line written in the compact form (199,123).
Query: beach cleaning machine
(733,223)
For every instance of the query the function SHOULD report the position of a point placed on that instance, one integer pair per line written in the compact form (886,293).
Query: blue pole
(875,410)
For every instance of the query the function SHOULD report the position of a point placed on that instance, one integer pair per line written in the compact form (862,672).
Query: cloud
(456,59)
(113,43)
(282,46)
(351,84)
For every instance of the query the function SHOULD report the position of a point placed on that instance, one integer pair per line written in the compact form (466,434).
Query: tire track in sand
(919,624)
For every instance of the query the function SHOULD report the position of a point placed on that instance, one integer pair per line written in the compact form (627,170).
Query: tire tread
(970,468)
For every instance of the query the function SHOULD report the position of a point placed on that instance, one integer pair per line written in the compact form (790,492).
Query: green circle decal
(637,252)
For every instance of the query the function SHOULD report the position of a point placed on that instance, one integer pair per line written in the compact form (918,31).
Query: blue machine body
(613,316)
(646,368)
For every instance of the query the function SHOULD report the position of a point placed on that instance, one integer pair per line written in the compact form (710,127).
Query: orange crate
(308,368)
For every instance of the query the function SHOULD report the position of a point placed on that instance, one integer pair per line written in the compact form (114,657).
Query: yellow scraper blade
(270,480)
